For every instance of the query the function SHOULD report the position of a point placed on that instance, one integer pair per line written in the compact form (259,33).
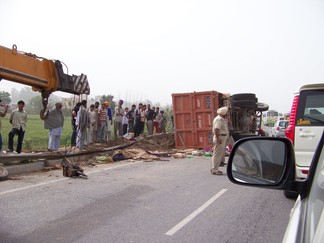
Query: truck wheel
(262,107)
(3,173)
(290,194)
(244,96)
(250,104)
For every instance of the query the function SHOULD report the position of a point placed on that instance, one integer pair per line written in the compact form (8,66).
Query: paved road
(162,201)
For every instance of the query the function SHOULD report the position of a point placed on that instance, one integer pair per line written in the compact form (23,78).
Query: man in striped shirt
(102,124)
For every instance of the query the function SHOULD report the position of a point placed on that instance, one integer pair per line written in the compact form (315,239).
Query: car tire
(290,194)
(3,173)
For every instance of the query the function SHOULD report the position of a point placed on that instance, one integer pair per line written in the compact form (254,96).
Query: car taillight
(278,128)
(290,130)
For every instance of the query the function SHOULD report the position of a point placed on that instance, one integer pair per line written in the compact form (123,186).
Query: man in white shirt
(18,119)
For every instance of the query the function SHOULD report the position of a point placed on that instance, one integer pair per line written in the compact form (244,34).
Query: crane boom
(40,73)
(43,75)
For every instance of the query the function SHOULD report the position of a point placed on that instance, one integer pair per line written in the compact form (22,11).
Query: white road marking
(31,186)
(117,166)
(62,179)
(195,213)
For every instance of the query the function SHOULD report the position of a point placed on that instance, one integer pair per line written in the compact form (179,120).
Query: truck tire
(262,107)
(244,96)
(3,173)
(250,104)
(244,100)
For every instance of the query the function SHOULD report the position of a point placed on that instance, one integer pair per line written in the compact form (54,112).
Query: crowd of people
(96,124)
(100,124)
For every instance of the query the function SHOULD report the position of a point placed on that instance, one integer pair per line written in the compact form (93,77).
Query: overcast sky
(138,50)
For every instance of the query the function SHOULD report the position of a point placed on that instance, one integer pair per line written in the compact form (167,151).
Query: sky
(147,50)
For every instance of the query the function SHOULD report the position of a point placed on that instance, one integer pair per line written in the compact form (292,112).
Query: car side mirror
(262,161)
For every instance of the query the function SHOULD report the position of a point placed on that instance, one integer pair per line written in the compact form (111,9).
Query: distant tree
(5,97)
(168,111)
(109,98)
(106,98)
(34,104)
(53,99)
(26,93)
(14,95)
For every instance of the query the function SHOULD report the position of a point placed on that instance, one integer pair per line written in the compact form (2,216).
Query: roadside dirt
(161,142)
(146,148)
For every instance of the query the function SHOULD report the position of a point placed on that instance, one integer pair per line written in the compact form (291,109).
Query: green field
(36,136)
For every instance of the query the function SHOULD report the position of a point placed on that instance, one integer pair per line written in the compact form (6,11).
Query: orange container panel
(182,102)
(198,140)
(193,118)
(204,139)
(183,121)
(205,100)
(204,119)
(185,139)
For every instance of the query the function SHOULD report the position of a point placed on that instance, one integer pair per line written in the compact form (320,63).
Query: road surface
(178,200)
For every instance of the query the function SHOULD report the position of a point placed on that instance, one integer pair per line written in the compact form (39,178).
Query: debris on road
(72,170)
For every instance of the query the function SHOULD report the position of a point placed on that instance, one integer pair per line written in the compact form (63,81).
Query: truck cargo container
(194,114)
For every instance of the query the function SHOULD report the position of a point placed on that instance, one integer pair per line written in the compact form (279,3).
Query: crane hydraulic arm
(43,75)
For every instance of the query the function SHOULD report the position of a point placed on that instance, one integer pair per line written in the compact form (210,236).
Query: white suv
(306,125)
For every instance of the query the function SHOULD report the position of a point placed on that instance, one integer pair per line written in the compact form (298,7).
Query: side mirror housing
(263,162)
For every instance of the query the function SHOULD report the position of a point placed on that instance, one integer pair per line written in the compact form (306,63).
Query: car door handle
(306,134)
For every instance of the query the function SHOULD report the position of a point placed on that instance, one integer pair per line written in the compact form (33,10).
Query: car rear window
(310,108)
(283,124)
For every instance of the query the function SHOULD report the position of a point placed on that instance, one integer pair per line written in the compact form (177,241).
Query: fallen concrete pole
(4,158)
(60,155)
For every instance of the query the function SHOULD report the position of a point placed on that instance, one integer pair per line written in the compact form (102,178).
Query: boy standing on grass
(18,119)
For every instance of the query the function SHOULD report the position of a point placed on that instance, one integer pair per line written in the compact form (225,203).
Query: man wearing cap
(221,133)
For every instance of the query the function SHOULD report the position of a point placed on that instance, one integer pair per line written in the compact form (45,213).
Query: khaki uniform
(219,148)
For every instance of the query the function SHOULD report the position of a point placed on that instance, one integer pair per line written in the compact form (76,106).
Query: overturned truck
(194,114)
